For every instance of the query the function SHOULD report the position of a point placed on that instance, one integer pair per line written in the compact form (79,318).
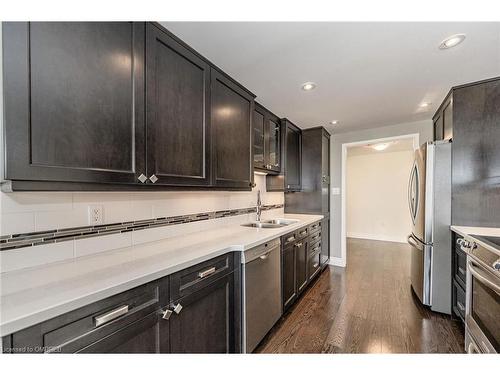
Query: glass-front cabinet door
(274,145)
(258,138)
(266,141)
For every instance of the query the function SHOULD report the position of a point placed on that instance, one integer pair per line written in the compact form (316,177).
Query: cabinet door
(207,320)
(289,288)
(74,101)
(325,241)
(438,128)
(178,121)
(325,173)
(148,335)
(448,121)
(259,160)
(301,264)
(273,142)
(293,158)
(232,111)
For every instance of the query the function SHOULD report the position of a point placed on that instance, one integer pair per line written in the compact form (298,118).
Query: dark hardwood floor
(368,307)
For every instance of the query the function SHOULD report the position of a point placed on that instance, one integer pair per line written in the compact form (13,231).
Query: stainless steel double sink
(274,223)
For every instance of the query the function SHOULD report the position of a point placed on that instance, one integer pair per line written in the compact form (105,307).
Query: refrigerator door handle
(415,243)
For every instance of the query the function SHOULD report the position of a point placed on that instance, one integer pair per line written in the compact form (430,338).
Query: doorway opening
(374,188)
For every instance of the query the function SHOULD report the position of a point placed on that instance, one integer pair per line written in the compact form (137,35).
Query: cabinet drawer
(75,330)
(458,300)
(142,336)
(313,264)
(196,277)
(460,267)
(315,237)
(314,247)
(289,238)
(301,233)
(314,227)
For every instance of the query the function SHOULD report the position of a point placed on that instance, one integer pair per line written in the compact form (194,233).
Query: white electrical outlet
(96,215)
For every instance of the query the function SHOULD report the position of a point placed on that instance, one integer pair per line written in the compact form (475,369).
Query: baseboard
(339,262)
(366,236)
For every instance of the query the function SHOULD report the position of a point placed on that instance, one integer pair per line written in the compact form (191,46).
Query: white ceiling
(398,145)
(367,74)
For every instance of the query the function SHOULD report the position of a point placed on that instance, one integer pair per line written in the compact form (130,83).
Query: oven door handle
(483,277)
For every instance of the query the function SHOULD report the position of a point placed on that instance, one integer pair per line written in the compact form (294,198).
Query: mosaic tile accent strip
(15,241)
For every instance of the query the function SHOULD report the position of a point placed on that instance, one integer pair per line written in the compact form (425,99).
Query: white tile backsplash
(38,211)
(33,256)
(96,244)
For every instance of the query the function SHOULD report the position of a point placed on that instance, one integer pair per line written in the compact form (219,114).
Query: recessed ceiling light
(308,86)
(425,105)
(334,122)
(452,41)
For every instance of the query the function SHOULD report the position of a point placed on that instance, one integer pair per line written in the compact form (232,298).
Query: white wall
(376,187)
(423,128)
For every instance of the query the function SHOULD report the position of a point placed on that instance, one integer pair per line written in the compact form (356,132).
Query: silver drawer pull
(107,317)
(315,265)
(299,244)
(290,239)
(206,273)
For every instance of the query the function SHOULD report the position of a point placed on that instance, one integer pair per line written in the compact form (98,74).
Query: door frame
(341,262)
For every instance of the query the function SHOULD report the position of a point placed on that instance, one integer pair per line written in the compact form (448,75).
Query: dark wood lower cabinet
(300,262)
(133,321)
(289,286)
(206,323)
(148,335)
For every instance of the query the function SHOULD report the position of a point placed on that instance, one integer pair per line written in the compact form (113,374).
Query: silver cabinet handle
(290,239)
(177,308)
(153,178)
(110,315)
(460,306)
(206,273)
(315,265)
(299,244)
(142,178)
(460,241)
(483,278)
(166,314)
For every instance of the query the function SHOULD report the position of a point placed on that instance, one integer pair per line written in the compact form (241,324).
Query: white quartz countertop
(478,231)
(31,296)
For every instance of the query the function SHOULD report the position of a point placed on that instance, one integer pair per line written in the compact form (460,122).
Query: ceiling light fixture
(308,86)
(334,122)
(381,146)
(452,41)
(425,105)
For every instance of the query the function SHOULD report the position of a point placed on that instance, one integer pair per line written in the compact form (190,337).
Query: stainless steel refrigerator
(429,199)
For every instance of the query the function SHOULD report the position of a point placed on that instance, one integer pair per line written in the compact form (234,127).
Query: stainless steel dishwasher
(261,289)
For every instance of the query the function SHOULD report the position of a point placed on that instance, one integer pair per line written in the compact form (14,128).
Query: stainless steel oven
(482,311)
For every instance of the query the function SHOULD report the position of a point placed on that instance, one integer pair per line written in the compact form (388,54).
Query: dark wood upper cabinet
(290,178)
(178,106)
(258,126)
(293,157)
(266,141)
(476,154)
(74,101)
(232,111)
(448,120)
(443,119)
